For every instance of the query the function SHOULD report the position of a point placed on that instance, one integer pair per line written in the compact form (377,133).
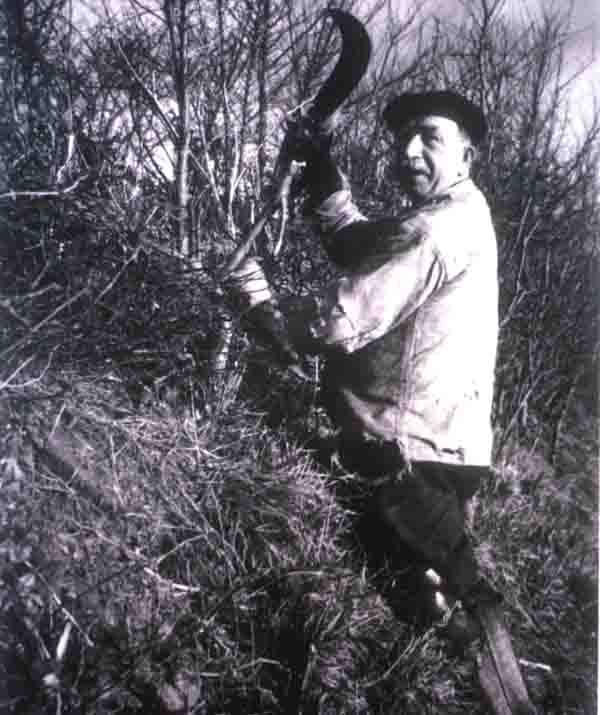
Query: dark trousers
(422,506)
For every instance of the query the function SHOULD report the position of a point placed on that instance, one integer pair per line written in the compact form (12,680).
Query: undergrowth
(197,559)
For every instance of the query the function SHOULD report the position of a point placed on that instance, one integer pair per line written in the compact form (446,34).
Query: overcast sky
(586,16)
(586,13)
(584,48)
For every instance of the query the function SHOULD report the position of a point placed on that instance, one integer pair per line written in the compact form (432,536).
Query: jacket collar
(463,187)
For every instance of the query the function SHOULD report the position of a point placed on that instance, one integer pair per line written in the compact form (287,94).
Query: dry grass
(195,559)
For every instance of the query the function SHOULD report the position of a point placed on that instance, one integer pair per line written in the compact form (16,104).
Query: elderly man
(409,331)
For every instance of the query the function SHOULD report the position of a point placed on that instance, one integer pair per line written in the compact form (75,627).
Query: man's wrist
(250,283)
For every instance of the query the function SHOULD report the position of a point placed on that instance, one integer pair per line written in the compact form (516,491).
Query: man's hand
(270,325)
(261,314)
(307,141)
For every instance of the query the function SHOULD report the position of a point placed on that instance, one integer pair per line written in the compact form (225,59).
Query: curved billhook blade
(347,73)
(349,69)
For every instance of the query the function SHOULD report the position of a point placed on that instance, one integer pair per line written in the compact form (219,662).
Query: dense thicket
(168,542)
(136,155)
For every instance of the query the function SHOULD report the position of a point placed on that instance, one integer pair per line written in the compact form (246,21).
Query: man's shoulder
(464,196)
(463,210)
(454,217)
(461,230)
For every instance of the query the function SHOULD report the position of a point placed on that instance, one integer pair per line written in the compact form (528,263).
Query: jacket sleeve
(390,267)
(362,305)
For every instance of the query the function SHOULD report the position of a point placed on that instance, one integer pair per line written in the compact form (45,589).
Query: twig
(284,205)
(177,548)
(43,322)
(245,246)
(120,273)
(38,292)
(31,195)
(59,603)
(535,666)
(8,308)
(22,366)
(405,653)
(33,380)
(173,584)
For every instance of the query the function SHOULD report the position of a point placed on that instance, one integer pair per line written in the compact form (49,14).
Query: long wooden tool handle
(499,672)
(244,248)
(347,73)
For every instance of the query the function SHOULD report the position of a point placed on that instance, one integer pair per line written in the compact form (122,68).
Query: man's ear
(468,158)
(469,155)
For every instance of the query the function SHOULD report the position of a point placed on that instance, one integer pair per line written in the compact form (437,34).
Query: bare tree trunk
(176,15)
(262,91)
(220,355)
(182,183)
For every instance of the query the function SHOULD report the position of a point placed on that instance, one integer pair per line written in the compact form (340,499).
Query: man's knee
(428,516)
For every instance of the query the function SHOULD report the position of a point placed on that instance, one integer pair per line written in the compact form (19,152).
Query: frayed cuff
(337,211)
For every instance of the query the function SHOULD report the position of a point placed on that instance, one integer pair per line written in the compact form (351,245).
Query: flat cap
(446,103)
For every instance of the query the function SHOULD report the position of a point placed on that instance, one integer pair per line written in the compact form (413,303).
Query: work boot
(456,625)
(461,629)
(482,593)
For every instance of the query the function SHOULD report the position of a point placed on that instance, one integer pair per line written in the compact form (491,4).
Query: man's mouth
(416,175)
(415,170)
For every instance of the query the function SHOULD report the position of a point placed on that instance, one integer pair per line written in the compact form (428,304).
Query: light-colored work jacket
(410,328)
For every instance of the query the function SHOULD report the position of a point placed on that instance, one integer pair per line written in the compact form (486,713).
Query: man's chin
(417,191)
(416,183)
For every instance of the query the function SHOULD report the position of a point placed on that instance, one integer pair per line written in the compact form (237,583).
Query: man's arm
(363,305)
(391,267)
(358,307)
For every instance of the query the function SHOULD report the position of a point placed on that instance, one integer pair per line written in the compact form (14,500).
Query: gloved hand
(261,313)
(308,141)
(269,324)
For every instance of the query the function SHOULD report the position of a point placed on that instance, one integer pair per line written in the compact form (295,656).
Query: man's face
(431,154)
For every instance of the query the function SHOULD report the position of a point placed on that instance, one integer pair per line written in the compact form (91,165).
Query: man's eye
(431,137)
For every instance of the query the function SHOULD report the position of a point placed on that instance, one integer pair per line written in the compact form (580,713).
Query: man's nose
(414,147)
